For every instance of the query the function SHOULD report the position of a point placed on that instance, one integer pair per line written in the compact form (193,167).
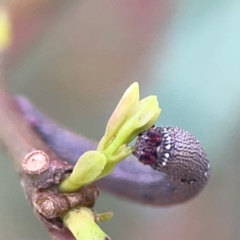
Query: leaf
(141,117)
(89,166)
(129,99)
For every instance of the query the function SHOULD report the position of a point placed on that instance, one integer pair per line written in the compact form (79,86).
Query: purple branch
(130,179)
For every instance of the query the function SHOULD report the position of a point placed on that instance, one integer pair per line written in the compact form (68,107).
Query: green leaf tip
(103,216)
(120,114)
(138,117)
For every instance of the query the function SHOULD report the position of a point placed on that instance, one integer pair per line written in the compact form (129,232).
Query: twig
(19,139)
(130,179)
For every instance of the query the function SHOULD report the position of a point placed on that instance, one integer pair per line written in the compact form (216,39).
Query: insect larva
(174,152)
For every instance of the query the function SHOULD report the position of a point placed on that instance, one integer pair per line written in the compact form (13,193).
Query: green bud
(140,118)
(103,216)
(129,99)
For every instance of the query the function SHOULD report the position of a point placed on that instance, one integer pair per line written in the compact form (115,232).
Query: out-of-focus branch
(19,139)
(130,178)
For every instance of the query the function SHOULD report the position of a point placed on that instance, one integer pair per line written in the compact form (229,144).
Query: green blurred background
(75,69)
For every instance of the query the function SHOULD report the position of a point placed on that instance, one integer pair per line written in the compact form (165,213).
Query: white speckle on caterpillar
(168,147)
(166,155)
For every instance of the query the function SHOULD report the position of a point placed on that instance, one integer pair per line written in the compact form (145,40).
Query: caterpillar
(179,167)
(175,152)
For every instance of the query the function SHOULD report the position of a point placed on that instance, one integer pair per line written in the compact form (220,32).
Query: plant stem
(18,138)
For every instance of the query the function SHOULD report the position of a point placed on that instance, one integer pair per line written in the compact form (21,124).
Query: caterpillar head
(154,145)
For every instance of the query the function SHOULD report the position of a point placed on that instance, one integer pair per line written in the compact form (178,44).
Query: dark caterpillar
(174,152)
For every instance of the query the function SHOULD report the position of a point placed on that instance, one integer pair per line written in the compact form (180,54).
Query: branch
(19,139)
(130,179)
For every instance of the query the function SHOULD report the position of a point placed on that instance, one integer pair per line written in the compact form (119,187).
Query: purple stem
(130,179)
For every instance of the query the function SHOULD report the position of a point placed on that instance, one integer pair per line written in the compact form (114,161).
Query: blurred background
(74,60)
